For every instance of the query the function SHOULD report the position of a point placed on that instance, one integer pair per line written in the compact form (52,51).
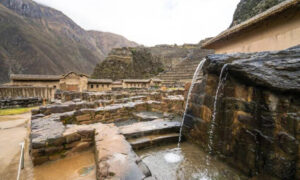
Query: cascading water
(173,157)
(196,73)
(212,126)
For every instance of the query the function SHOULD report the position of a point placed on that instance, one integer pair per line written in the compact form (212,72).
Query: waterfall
(212,126)
(196,73)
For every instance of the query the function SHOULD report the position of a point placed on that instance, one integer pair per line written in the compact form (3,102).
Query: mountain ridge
(36,39)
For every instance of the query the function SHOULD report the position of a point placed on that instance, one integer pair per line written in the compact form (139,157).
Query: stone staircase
(183,72)
(146,134)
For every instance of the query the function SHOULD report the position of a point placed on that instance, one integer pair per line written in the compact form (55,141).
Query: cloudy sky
(151,22)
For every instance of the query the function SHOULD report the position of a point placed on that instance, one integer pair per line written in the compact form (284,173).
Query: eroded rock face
(258,111)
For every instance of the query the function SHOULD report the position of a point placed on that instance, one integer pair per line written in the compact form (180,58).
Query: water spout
(196,73)
(212,126)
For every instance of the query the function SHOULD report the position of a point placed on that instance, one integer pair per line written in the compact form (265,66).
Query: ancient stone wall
(63,128)
(7,92)
(20,102)
(257,122)
(55,141)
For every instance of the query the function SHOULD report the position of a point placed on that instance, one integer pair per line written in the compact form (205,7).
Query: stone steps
(155,127)
(148,141)
(184,70)
(145,134)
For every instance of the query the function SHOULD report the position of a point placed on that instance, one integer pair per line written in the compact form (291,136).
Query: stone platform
(63,128)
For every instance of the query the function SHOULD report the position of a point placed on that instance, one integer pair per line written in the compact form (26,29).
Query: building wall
(155,83)
(73,82)
(135,85)
(99,87)
(52,84)
(277,33)
(26,92)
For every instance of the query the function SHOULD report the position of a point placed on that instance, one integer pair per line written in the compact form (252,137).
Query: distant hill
(35,39)
(249,8)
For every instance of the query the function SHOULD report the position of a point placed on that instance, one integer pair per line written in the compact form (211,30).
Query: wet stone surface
(257,112)
(190,162)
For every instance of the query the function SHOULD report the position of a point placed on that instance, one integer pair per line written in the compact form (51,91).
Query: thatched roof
(100,81)
(34,77)
(252,21)
(136,80)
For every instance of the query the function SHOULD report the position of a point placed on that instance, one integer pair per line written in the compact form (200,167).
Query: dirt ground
(14,129)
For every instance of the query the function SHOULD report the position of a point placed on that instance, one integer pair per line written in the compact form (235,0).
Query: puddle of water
(85,170)
(189,162)
(79,166)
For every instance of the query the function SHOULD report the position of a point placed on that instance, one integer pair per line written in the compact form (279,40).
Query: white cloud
(151,22)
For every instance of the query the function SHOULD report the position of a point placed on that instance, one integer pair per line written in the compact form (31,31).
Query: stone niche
(257,124)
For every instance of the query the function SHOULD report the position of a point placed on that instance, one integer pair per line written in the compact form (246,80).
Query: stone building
(155,82)
(136,83)
(79,82)
(117,85)
(35,80)
(277,28)
(68,82)
(99,84)
(73,82)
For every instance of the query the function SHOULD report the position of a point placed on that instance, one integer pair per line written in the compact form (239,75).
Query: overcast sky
(151,22)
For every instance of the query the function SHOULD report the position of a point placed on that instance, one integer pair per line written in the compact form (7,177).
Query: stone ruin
(113,123)
(244,109)
(257,124)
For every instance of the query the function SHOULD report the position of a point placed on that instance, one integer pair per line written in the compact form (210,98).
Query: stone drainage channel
(122,137)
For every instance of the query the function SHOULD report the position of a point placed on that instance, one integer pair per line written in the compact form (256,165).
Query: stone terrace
(60,129)
(183,72)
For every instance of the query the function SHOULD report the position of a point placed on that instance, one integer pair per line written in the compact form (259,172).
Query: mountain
(249,8)
(35,39)
(107,41)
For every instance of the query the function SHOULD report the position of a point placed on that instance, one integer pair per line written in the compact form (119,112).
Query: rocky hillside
(249,8)
(141,62)
(37,39)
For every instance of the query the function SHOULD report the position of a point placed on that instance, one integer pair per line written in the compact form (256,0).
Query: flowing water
(212,125)
(189,164)
(199,67)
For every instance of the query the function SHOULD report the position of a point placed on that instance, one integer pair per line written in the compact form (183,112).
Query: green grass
(14,111)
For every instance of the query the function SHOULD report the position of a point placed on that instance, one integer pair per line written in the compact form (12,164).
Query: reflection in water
(192,164)
(75,167)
